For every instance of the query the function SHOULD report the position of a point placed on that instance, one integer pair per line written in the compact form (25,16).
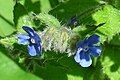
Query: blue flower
(32,39)
(73,21)
(87,48)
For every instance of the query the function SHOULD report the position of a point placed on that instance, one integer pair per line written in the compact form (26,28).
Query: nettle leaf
(110,62)
(9,70)
(6,20)
(111,17)
(59,67)
(62,67)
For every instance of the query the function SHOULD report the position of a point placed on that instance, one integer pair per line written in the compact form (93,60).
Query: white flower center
(86,48)
(75,23)
(32,40)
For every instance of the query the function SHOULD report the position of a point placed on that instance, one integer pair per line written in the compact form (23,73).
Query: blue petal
(29,30)
(85,63)
(80,44)
(85,60)
(84,55)
(32,50)
(23,41)
(37,38)
(95,51)
(23,36)
(77,56)
(38,48)
(93,39)
(82,58)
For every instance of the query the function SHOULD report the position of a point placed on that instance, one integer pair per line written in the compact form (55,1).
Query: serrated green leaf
(54,70)
(9,70)
(6,20)
(111,17)
(61,67)
(110,62)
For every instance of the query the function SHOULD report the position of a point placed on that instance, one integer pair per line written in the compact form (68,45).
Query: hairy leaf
(111,17)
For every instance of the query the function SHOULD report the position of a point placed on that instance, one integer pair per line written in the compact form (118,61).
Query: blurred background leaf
(6,18)
(9,70)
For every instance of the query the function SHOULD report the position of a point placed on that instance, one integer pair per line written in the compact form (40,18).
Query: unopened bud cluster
(57,39)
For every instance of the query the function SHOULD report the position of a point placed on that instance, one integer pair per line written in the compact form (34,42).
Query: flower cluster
(58,41)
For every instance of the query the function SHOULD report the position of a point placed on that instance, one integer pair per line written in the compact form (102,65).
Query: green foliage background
(95,16)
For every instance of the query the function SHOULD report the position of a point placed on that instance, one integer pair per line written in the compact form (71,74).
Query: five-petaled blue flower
(87,48)
(32,39)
